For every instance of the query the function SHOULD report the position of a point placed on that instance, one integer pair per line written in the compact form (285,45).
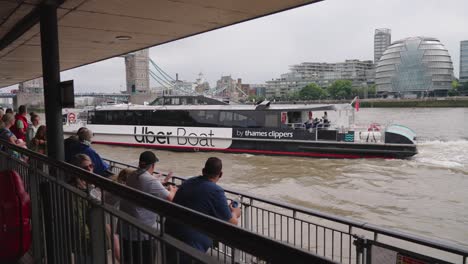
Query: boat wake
(444,154)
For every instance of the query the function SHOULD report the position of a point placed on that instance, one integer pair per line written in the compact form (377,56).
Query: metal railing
(333,237)
(73,223)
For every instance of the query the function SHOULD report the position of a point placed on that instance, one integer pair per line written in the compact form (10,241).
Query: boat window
(169,118)
(175,101)
(117,117)
(271,120)
(129,118)
(294,117)
(99,117)
(225,118)
(239,117)
(140,117)
(205,118)
(91,117)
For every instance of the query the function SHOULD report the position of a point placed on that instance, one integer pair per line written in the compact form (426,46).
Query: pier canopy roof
(94,30)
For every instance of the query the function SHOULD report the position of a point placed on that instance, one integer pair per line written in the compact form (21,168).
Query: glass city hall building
(417,65)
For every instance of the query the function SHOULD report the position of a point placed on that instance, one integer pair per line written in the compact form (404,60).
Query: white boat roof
(272,107)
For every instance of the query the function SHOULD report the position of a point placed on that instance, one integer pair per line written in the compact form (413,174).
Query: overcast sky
(262,49)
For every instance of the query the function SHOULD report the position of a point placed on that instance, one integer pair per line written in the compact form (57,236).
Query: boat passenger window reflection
(205,118)
(91,117)
(294,117)
(100,117)
(271,120)
(139,118)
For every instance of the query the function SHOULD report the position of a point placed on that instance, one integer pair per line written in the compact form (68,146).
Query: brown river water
(425,195)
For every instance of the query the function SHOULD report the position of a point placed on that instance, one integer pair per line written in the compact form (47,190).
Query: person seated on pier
(143,180)
(33,127)
(71,146)
(84,161)
(100,166)
(8,120)
(120,178)
(39,142)
(202,194)
(81,207)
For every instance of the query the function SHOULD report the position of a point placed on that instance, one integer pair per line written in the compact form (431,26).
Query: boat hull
(256,141)
(322,149)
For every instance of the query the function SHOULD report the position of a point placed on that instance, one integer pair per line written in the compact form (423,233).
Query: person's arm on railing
(172,191)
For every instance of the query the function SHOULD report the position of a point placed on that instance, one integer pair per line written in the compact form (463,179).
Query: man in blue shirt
(84,147)
(202,194)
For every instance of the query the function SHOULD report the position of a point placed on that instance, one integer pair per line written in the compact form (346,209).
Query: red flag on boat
(356,105)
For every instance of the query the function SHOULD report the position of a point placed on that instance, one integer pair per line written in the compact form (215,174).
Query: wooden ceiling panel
(92,38)
(24,53)
(129,25)
(162,10)
(88,28)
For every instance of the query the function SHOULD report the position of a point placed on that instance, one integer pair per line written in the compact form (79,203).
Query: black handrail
(436,244)
(255,244)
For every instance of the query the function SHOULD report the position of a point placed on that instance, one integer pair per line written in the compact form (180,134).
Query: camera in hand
(235,204)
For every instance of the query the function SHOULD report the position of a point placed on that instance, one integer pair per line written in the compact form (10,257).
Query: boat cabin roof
(272,107)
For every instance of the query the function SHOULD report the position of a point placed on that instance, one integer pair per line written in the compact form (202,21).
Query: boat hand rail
(436,244)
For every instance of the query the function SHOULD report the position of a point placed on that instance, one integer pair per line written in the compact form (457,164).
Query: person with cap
(143,180)
(100,166)
(202,194)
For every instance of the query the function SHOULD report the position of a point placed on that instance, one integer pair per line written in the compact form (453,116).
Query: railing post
(49,221)
(98,235)
(35,211)
(360,243)
(236,256)
(245,213)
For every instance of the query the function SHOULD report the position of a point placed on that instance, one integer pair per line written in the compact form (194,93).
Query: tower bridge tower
(136,69)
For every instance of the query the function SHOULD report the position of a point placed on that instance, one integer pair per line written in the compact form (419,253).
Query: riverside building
(414,66)
(361,73)
(464,61)
(382,39)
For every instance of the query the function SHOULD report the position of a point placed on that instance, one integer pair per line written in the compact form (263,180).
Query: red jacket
(20,133)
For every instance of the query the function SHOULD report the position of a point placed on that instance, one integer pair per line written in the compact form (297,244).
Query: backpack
(15,217)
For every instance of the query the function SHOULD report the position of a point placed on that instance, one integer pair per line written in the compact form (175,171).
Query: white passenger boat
(186,123)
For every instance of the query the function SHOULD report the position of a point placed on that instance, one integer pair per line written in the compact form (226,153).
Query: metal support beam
(51,75)
(37,237)
(98,235)
(49,221)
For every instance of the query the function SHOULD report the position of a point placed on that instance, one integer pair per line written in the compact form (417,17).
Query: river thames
(425,195)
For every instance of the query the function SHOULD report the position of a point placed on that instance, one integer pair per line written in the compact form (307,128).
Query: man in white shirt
(143,180)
